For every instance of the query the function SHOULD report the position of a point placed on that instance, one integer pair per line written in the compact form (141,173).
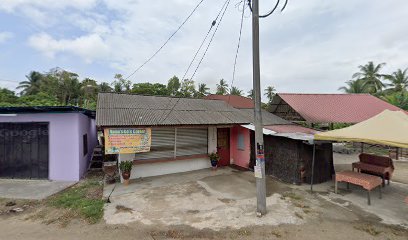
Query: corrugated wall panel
(192,141)
(162,144)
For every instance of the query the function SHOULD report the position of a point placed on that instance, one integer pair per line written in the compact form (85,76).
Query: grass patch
(83,199)
(292,196)
(121,208)
(368,229)
(298,215)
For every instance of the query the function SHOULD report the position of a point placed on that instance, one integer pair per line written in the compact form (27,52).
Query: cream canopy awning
(387,128)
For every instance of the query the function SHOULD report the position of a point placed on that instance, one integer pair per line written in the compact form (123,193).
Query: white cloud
(13,5)
(314,46)
(90,47)
(5,36)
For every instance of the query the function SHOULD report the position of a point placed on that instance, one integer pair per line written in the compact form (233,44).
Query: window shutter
(162,144)
(191,141)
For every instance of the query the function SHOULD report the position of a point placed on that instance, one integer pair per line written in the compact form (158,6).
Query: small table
(380,170)
(366,181)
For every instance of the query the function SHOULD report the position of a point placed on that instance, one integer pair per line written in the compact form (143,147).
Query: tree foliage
(222,87)
(392,88)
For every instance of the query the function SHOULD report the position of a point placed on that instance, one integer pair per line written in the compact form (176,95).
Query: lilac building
(54,143)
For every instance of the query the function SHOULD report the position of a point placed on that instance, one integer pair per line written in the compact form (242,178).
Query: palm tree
(236,91)
(105,87)
(354,86)
(32,85)
(222,87)
(270,93)
(399,80)
(203,90)
(399,99)
(371,77)
(251,93)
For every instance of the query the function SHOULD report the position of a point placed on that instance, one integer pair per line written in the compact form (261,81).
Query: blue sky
(314,46)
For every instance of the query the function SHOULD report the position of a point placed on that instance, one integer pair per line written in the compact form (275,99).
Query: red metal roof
(336,108)
(290,129)
(233,100)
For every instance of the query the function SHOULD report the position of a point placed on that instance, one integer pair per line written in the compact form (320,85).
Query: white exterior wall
(212,139)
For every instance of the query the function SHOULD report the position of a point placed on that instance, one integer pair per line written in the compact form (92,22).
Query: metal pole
(259,146)
(313,163)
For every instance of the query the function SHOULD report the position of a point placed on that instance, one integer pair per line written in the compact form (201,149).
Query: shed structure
(54,143)
(328,108)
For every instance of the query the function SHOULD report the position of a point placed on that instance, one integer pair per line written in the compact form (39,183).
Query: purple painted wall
(66,160)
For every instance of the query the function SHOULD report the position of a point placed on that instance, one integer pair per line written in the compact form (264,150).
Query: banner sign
(127,140)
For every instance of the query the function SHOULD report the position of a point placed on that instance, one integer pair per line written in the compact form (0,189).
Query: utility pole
(259,146)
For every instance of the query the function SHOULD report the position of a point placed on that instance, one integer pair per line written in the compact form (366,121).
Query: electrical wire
(165,43)
(205,38)
(273,10)
(212,37)
(239,43)
(5,80)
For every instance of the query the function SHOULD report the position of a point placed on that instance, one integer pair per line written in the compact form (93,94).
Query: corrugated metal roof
(267,117)
(233,100)
(330,108)
(293,128)
(114,109)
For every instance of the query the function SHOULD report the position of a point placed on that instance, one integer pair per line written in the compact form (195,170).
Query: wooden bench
(375,165)
(366,181)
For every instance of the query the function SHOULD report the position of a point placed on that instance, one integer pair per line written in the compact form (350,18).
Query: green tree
(251,94)
(399,99)
(173,86)
(156,89)
(89,92)
(32,84)
(39,99)
(399,80)
(371,77)
(222,87)
(203,90)
(105,87)
(7,97)
(269,92)
(236,91)
(120,84)
(187,88)
(354,86)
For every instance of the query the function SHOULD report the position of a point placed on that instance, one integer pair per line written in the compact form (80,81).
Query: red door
(223,146)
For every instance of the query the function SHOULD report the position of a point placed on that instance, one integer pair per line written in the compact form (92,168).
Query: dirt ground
(316,219)
(327,226)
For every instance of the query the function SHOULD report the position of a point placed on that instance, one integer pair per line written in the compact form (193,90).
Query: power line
(205,38)
(273,9)
(5,80)
(164,44)
(212,37)
(239,43)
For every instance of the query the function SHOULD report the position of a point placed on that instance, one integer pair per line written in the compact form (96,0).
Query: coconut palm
(251,93)
(399,99)
(105,87)
(269,93)
(399,80)
(354,86)
(371,77)
(236,91)
(32,85)
(222,87)
(203,90)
